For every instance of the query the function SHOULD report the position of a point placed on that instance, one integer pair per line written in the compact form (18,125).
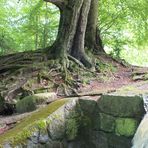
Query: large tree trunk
(73,36)
(67,28)
(78,43)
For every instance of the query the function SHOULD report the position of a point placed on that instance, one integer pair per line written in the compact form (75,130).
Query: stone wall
(119,117)
(109,121)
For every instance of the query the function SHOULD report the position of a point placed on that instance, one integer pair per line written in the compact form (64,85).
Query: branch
(58,3)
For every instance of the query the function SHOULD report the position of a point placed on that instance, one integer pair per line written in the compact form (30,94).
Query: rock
(43,139)
(107,122)
(99,139)
(62,121)
(45,97)
(72,126)
(115,141)
(126,126)
(27,104)
(87,105)
(122,106)
(32,131)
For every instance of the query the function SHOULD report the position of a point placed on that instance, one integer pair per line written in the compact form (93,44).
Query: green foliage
(27,25)
(123,26)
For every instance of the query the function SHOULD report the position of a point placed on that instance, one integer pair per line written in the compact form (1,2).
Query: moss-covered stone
(72,129)
(107,122)
(87,105)
(45,97)
(122,106)
(115,141)
(29,125)
(126,126)
(27,104)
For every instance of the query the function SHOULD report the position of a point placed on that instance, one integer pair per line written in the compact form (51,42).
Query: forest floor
(113,76)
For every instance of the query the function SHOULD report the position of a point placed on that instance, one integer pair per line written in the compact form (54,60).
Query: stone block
(115,141)
(107,122)
(122,106)
(87,105)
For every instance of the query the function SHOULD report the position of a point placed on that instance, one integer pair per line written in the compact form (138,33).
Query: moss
(27,104)
(26,127)
(107,122)
(126,126)
(72,129)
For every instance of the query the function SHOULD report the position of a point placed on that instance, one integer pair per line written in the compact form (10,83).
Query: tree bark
(78,44)
(77,30)
(93,39)
(67,28)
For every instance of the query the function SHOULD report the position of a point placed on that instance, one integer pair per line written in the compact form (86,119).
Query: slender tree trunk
(36,34)
(92,39)
(44,42)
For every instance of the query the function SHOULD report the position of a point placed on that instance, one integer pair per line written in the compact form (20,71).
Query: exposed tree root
(22,74)
(17,69)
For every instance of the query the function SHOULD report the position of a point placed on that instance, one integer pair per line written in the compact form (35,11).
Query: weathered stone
(29,103)
(45,97)
(58,120)
(126,126)
(87,105)
(30,144)
(99,139)
(29,128)
(53,144)
(7,145)
(72,126)
(122,106)
(43,139)
(107,122)
(115,141)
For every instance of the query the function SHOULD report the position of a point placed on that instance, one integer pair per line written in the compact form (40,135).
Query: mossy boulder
(122,106)
(45,97)
(107,122)
(30,103)
(27,104)
(126,126)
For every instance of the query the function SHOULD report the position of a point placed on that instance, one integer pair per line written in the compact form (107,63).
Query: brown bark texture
(77,30)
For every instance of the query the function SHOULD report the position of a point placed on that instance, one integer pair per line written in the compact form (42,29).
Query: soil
(111,81)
